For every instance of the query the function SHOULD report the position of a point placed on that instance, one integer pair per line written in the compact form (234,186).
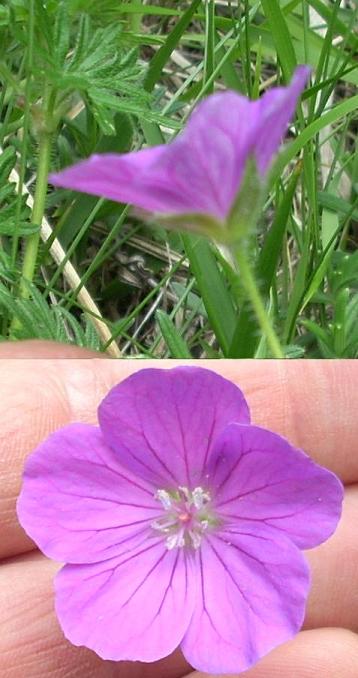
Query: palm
(312,403)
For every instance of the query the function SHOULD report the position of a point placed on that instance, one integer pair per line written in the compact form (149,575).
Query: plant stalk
(32,242)
(135,20)
(249,284)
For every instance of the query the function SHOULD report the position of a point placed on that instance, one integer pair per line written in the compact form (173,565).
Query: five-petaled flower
(194,181)
(180,523)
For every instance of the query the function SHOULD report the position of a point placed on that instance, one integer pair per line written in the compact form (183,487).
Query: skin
(310,402)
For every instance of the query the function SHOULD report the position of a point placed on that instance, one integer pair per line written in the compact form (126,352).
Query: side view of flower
(211,179)
(180,523)
(194,181)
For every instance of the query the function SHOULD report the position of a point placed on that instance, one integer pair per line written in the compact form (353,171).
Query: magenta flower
(179,522)
(194,181)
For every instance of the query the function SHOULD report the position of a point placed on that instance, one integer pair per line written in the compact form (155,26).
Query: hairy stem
(248,282)
(32,242)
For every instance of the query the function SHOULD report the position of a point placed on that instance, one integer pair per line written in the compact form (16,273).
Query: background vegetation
(79,76)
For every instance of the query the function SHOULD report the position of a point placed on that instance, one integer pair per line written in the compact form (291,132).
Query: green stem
(249,284)
(38,210)
(135,20)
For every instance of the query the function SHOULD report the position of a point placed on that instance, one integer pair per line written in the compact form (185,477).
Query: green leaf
(215,295)
(14,213)
(38,320)
(340,28)
(8,228)
(8,272)
(61,33)
(281,37)
(209,57)
(174,341)
(336,113)
(103,99)
(337,204)
(297,292)
(7,163)
(320,334)
(272,247)
(82,40)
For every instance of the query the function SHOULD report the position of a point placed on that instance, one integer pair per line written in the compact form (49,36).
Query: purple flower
(199,174)
(180,523)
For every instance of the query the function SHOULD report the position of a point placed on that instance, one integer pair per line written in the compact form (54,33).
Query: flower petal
(206,162)
(200,171)
(253,584)
(123,178)
(275,110)
(77,503)
(136,606)
(256,474)
(162,422)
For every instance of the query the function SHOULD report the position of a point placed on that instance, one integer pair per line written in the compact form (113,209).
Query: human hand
(309,402)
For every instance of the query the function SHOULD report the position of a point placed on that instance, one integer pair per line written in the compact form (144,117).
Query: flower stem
(32,242)
(135,20)
(249,284)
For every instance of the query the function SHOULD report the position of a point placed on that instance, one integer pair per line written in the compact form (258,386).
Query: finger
(31,637)
(311,403)
(32,643)
(327,653)
(39,349)
(334,566)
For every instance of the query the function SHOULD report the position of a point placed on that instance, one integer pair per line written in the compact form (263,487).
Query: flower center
(186,516)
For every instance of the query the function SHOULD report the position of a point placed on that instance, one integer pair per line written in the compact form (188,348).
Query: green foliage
(176,344)
(14,215)
(39,321)
(337,336)
(98,69)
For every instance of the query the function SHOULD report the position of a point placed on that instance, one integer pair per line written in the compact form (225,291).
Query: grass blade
(246,335)
(174,341)
(281,37)
(214,293)
(163,55)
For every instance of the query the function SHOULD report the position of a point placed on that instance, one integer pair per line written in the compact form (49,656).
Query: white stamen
(164,498)
(195,538)
(175,540)
(186,516)
(185,492)
(200,497)
(164,524)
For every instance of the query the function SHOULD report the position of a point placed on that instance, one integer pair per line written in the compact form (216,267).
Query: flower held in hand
(194,182)
(180,523)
